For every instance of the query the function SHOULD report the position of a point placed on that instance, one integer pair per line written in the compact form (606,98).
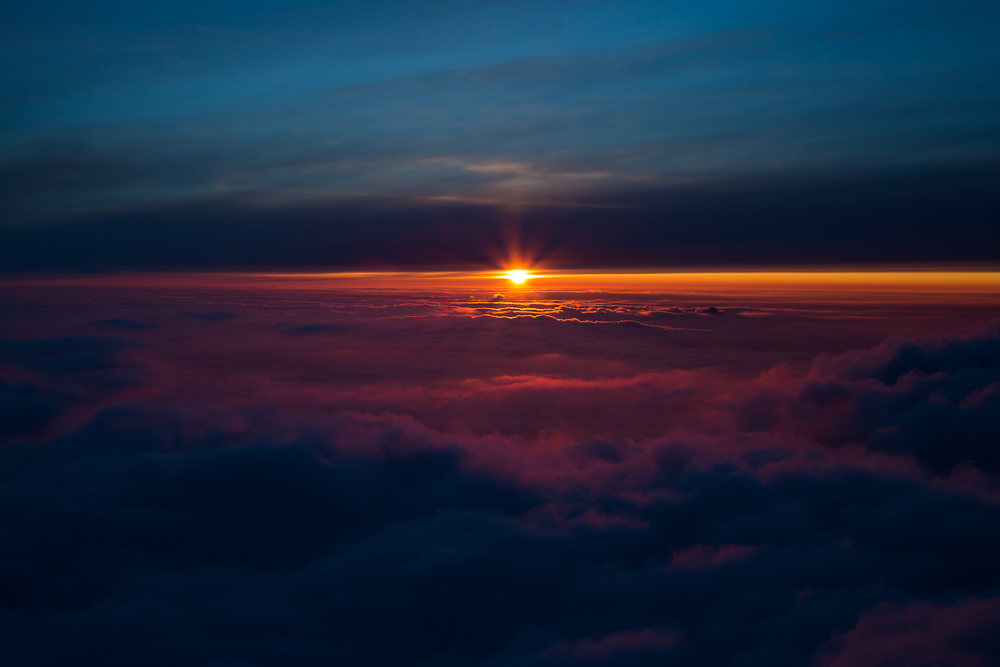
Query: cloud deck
(413,478)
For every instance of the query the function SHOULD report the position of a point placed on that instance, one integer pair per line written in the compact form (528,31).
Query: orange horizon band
(540,280)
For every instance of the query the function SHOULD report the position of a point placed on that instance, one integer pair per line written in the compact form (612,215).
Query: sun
(517,276)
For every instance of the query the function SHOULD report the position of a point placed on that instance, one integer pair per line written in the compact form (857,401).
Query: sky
(201,135)
(489,334)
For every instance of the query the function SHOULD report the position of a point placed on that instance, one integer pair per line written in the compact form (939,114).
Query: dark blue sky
(122,120)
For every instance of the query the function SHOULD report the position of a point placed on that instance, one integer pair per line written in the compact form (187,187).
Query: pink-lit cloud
(393,480)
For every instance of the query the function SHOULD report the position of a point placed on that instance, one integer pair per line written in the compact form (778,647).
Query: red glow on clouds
(678,444)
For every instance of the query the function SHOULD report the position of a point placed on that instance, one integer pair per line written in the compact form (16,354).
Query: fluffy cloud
(965,633)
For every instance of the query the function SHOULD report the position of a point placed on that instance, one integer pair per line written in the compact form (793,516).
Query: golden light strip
(984,282)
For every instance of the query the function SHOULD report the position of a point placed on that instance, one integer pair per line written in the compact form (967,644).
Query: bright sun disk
(517,276)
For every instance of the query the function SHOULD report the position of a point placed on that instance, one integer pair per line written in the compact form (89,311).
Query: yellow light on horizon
(981,285)
(517,277)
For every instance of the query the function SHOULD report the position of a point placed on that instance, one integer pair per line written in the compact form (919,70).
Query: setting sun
(517,276)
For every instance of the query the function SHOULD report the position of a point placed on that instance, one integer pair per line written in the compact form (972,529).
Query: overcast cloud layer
(821,132)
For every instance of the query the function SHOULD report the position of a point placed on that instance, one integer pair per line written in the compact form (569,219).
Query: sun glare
(517,276)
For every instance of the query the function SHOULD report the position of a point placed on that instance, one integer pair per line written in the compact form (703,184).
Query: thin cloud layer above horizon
(340,132)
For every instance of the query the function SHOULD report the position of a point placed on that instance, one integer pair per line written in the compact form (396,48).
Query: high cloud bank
(195,478)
